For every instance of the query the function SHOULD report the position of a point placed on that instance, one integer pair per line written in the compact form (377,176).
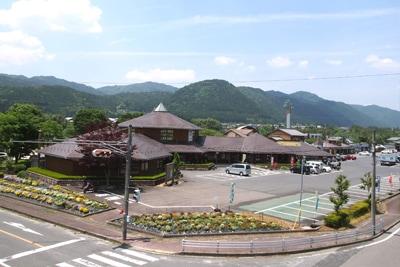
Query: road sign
(232,193)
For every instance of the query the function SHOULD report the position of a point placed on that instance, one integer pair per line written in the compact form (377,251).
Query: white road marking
(304,210)
(138,254)
(38,250)
(64,264)
(22,227)
(117,203)
(102,195)
(310,206)
(292,215)
(119,256)
(380,241)
(113,198)
(107,261)
(86,262)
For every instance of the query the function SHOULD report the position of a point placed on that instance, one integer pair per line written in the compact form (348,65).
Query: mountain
(20,80)
(137,88)
(67,101)
(217,99)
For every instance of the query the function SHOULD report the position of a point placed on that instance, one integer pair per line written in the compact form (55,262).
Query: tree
(366,184)
(20,122)
(128,116)
(50,129)
(208,123)
(177,167)
(90,119)
(109,133)
(341,197)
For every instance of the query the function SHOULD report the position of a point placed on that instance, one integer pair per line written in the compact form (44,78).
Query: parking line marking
(304,210)
(292,215)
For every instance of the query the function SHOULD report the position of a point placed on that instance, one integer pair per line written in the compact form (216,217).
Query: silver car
(239,168)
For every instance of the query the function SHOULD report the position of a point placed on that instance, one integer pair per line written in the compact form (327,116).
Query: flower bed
(201,223)
(53,196)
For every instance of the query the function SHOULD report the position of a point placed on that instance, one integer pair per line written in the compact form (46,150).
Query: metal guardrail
(281,245)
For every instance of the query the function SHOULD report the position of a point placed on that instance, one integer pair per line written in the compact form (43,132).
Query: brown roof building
(159,134)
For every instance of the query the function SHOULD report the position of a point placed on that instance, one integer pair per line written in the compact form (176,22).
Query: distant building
(241,131)
(395,141)
(335,145)
(287,135)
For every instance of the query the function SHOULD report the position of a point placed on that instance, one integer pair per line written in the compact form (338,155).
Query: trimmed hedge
(55,175)
(358,209)
(343,217)
(197,166)
(148,178)
(337,220)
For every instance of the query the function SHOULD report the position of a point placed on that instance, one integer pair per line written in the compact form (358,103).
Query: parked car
(325,168)
(364,153)
(388,159)
(334,164)
(351,157)
(297,169)
(239,168)
(314,166)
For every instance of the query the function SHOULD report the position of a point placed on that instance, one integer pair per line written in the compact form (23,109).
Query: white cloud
(159,75)
(335,62)
(303,63)
(279,62)
(223,60)
(265,18)
(18,48)
(382,63)
(53,15)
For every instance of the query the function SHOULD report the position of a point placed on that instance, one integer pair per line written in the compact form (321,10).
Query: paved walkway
(97,225)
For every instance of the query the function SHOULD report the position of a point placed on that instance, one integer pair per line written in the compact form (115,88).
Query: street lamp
(373,197)
(127,178)
(301,186)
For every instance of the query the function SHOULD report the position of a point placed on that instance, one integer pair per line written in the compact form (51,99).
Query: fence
(280,245)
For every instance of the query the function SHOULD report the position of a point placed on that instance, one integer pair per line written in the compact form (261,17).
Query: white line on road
(22,227)
(38,250)
(107,261)
(64,264)
(138,254)
(292,215)
(119,256)
(86,262)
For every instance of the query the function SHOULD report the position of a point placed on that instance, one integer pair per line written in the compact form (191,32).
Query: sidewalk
(96,225)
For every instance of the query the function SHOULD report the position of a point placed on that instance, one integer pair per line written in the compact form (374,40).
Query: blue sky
(177,42)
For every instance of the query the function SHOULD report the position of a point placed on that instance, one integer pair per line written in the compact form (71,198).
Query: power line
(311,78)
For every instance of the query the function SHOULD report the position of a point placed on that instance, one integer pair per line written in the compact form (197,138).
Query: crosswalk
(314,208)
(115,258)
(114,198)
(223,176)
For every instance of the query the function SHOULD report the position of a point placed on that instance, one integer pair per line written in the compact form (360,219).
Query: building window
(190,136)
(159,164)
(167,135)
(144,166)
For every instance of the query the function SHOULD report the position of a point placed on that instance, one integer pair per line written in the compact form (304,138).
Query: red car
(351,157)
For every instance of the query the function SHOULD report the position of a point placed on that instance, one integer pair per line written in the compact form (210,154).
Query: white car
(325,168)
(3,155)
(364,153)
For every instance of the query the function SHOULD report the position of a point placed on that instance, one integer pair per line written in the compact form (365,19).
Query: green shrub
(19,167)
(25,162)
(149,177)
(55,175)
(196,166)
(337,219)
(22,174)
(1,175)
(357,209)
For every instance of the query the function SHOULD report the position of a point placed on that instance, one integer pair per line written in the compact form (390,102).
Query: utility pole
(127,178)
(373,200)
(301,186)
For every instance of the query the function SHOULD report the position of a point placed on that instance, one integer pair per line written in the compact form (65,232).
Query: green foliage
(69,130)
(208,123)
(357,209)
(89,119)
(20,122)
(340,197)
(149,177)
(128,116)
(55,175)
(210,132)
(366,183)
(337,220)
(22,174)
(50,129)
(265,129)
(1,174)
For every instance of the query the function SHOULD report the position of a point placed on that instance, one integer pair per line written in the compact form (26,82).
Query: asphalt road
(21,240)
(27,242)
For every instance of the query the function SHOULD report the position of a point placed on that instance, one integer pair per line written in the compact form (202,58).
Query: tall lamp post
(301,186)
(373,197)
